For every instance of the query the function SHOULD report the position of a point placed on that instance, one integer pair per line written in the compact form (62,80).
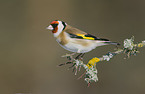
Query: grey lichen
(90,68)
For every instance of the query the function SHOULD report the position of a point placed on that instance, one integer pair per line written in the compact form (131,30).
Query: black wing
(86,36)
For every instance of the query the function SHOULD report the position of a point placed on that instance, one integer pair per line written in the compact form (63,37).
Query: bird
(76,40)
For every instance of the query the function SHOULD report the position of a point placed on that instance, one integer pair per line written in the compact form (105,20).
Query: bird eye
(54,25)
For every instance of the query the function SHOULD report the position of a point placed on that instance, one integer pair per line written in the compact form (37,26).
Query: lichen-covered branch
(130,48)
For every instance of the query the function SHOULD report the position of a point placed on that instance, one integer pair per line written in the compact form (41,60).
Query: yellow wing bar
(84,37)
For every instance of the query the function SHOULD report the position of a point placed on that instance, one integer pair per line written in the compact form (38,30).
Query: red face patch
(54,25)
(55,30)
(54,22)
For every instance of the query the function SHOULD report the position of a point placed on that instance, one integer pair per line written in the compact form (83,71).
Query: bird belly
(79,46)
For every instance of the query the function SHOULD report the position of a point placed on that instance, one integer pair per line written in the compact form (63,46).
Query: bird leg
(77,57)
(80,56)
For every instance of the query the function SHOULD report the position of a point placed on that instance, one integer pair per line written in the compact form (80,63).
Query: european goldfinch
(75,40)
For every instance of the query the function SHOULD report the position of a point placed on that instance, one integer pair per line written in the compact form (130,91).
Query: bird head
(57,27)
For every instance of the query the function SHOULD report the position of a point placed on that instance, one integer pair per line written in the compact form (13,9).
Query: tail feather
(113,43)
(101,43)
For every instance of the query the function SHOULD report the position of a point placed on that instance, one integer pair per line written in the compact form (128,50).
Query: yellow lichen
(140,45)
(92,62)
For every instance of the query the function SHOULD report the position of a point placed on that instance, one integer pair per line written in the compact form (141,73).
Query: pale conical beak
(50,27)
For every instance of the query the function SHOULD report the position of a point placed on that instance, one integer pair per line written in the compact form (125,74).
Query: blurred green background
(30,55)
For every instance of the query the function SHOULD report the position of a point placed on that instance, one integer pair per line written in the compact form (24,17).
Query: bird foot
(74,61)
